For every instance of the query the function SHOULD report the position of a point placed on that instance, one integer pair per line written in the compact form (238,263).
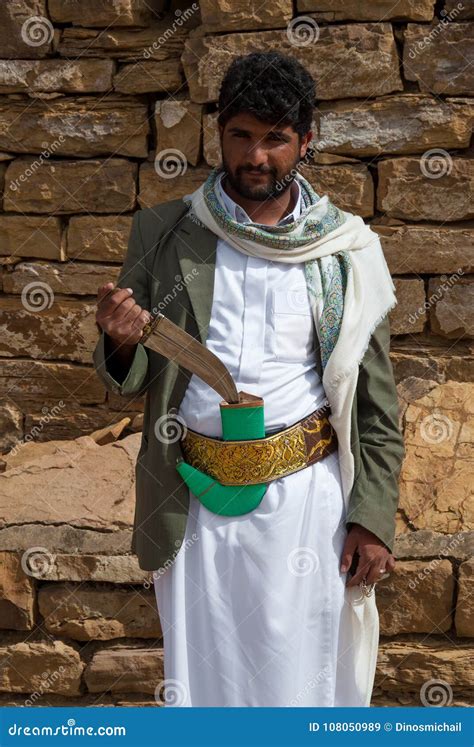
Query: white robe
(254,609)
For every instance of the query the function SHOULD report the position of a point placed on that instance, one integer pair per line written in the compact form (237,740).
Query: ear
(305,141)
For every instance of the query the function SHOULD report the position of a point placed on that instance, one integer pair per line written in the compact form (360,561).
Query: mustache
(255,171)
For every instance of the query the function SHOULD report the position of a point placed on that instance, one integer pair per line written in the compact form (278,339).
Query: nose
(256,156)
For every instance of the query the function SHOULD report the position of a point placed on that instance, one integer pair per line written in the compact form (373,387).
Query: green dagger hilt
(240,421)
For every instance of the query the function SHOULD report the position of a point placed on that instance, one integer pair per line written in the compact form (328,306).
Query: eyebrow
(280,133)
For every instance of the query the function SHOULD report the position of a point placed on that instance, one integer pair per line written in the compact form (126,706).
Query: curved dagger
(166,338)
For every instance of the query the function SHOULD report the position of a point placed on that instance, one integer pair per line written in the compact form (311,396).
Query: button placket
(253,332)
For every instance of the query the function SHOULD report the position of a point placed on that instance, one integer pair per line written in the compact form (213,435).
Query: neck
(268,212)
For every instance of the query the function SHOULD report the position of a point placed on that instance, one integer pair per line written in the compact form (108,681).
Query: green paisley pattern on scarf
(326,277)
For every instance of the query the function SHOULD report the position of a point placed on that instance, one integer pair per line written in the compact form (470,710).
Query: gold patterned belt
(260,460)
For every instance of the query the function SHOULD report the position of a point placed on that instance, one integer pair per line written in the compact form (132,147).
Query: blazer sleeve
(375,494)
(133,274)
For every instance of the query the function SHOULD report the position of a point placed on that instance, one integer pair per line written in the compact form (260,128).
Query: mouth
(255,174)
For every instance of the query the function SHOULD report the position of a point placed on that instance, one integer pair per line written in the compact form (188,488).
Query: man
(273,607)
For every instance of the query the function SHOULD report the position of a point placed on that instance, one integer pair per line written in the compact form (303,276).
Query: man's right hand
(119,316)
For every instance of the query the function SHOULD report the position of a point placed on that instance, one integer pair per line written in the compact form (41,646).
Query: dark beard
(260,192)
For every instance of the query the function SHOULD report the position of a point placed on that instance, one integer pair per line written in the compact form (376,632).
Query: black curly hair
(272,86)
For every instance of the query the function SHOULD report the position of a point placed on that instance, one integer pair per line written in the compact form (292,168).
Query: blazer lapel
(196,249)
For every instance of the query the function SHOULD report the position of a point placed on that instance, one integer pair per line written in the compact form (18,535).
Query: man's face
(258,156)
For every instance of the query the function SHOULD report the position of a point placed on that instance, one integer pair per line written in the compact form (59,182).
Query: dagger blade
(167,338)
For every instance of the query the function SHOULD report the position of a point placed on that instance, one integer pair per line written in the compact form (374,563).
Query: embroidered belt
(260,460)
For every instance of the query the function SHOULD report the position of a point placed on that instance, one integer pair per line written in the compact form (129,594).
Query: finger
(362,569)
(373,574)
(103,290)
(348,553)
(136,317)
(111,301)
(390,563)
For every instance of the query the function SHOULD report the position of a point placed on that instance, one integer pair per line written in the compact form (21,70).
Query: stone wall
(95,98)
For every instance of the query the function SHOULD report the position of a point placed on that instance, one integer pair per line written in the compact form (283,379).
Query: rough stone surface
(416,598)
(452,9)
(349,187)
(125,670)
(427,248)
(178,123)
(65,539)
(116,569)
(409,315)
(364,55)
(380,10)
(440,57)
(75,126)
(28,382)
(47,326)
(86,613)
(153,42)
(414,356)
(156,188)
(210,140)
(89,486)
(19,36)
(441,190)
(79,278)
(11,425)
(436,475)
(428,544)
(465,606)
(65,76)
(77,420)
(24,665)
(220,15)
(407,665)
(101,238)
(406,123)
(60,187)
(105,13)
(28,236)
(164,76)
(451,313)
(17,594)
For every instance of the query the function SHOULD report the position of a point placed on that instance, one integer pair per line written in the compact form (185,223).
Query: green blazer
(170,264)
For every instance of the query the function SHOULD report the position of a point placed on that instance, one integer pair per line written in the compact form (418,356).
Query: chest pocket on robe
(292,329)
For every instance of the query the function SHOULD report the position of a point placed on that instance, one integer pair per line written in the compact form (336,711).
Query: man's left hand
(373,556)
